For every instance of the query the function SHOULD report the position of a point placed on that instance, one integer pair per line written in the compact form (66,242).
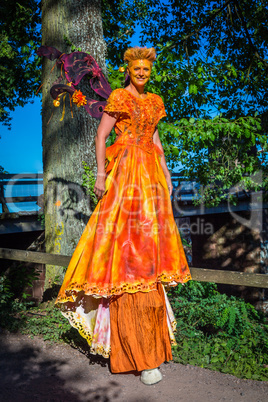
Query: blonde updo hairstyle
(139,53)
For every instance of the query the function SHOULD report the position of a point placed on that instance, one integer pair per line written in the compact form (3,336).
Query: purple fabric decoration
(76,65)
(58,89)
(93,107)
(50,52)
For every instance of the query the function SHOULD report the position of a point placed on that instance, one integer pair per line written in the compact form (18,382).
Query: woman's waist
(143,142)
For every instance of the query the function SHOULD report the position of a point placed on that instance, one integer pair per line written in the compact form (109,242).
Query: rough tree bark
(69,142)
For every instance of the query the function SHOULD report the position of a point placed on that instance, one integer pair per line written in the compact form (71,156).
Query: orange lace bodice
(136,118)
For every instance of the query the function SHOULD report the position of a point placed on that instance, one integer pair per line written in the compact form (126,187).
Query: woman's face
(139,72)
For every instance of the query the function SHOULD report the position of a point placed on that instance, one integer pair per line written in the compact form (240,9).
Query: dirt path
(33,370)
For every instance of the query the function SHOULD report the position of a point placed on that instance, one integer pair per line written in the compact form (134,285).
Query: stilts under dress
(112,291)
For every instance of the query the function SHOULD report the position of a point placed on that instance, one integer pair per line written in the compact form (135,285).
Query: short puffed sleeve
(116,104)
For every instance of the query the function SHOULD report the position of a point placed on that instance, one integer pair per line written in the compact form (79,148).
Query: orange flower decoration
(56,102)
(79,99)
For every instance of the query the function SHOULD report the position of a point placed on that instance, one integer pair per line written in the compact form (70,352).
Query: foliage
(89,183)
(242,357)
(120,20)
(17,313)
(213,55)
(115,78)
(211,72)
(41,219)
(10,304)
(2,172)
(21,276)
(48,323)
(219,332)
(13,293)
(218,153)
(20,67)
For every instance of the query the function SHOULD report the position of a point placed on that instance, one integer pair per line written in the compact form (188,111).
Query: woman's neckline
(134,96)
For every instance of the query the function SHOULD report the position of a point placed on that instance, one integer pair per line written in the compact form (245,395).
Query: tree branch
(119,37)
(208,20)
(244,25)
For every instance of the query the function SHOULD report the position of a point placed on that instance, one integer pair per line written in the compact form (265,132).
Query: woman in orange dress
(113,289)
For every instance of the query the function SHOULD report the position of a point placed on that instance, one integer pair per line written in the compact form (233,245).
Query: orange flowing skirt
(131,244)
(142,342)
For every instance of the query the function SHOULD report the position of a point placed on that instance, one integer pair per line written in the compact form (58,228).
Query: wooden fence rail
(198,274)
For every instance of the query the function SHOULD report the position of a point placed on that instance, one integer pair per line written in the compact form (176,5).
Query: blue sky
(21,147)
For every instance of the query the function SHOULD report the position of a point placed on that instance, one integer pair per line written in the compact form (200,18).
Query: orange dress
(131,242)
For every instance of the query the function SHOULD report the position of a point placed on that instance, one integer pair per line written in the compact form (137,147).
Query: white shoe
(151,376)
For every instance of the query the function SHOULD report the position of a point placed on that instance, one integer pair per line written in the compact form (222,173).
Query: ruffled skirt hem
(95,290)
(91,318)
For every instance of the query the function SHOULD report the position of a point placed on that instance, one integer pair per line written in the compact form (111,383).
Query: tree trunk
(68,142)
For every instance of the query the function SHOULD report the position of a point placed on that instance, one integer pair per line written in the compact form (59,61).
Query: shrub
(219,332)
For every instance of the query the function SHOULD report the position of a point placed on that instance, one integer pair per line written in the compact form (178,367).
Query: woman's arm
(106,124)
(163,163)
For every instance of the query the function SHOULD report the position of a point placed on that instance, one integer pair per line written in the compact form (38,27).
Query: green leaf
(193,89)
